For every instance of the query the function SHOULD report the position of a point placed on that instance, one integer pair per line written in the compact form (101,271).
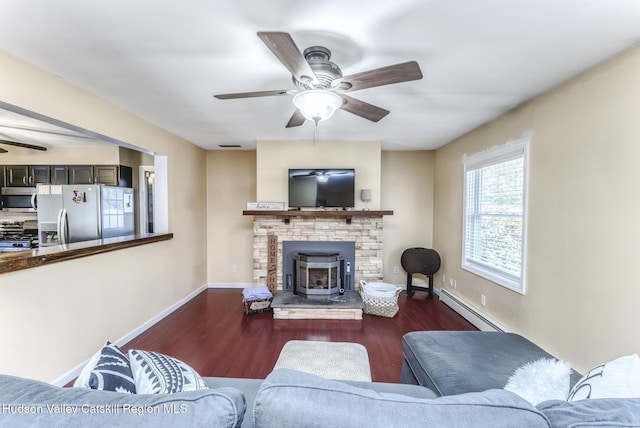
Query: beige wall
(274,158)
(407,189)
(231,182)
(104,154)
(62,313)
(405,186)
(583,286)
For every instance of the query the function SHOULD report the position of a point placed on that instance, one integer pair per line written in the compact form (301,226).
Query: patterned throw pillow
(619,378)
(108,370)
(156,373)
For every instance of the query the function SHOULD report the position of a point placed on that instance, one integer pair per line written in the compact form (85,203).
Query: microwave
(18,199)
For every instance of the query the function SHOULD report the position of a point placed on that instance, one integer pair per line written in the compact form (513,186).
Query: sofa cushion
(456,362)
(599,412)
(297,399)
(250,388)
(415,391)
(28,402)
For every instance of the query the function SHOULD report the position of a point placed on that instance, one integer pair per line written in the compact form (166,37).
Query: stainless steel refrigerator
(74,213)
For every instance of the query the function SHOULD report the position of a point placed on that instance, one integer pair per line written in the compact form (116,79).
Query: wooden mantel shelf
(346,214)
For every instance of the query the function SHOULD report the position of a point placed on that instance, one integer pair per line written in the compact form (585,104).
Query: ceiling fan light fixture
(317,104)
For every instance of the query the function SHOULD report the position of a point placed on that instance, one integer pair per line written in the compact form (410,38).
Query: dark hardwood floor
(212,334)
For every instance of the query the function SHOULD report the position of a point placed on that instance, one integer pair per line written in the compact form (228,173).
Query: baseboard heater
(468,312)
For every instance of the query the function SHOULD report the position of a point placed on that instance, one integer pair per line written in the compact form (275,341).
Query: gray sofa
(288,398)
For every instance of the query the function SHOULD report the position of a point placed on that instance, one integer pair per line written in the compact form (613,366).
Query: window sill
(11,262)
(495,277)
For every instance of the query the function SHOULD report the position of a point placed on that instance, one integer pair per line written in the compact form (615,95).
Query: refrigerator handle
(63,227)
(59,226)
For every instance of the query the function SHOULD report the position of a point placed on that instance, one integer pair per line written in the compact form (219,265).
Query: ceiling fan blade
(252,94)
(398,73)
(23,145)
(363,109)
(3,150)
(285,49)
(297,119)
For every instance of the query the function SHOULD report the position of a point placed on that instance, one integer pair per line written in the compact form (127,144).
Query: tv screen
(332,188)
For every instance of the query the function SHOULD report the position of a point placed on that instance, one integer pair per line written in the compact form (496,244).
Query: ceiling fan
(321,87)
(23,145)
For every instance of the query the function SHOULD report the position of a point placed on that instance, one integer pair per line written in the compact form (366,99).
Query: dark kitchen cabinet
(59,174)
(112,175)
(125,176)
(80,174)
(106,174)
(17,175)
(38,174)
(31,175)
(26,175)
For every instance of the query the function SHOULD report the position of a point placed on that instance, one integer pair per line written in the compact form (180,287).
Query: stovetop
(14,237)
(16,242)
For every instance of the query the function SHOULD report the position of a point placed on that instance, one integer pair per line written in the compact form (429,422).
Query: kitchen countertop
(14,261)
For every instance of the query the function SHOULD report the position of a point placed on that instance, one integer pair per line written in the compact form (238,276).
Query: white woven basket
(380,298)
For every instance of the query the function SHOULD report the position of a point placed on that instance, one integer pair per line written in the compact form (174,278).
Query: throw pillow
(541,380)
(108,370)
(619,378)
(156,373)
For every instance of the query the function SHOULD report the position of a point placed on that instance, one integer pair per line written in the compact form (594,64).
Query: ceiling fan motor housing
(325,70)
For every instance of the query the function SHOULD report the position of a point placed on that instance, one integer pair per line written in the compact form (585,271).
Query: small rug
(330,360)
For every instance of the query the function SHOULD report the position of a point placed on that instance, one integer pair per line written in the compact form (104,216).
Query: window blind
(494,214)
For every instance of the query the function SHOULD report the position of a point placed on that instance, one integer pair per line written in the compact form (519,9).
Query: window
(495,213)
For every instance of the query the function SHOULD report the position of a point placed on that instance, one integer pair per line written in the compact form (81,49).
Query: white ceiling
(163,60)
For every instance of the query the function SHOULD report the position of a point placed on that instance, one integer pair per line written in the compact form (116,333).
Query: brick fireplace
(365,229)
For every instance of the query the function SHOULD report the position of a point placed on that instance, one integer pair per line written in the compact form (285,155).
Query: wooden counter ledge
(11,262)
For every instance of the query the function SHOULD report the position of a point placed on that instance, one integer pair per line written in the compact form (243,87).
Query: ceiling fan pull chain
(315,131)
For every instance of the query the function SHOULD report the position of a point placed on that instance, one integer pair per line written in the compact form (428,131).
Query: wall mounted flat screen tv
(315,188)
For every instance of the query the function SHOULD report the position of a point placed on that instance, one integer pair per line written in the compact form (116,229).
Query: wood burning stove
(318,274)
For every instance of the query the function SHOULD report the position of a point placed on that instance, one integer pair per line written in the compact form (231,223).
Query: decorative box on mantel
(265,206)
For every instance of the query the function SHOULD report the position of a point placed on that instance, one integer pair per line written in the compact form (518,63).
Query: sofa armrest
(26,402)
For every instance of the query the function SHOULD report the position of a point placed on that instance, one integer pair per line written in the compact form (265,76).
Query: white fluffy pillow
(619,378)
(541,380)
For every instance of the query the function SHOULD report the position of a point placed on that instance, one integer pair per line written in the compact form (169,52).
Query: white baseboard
(468,312)
(231,284)
(73,373)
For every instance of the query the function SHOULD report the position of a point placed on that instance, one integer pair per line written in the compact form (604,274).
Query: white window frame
(493,156)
